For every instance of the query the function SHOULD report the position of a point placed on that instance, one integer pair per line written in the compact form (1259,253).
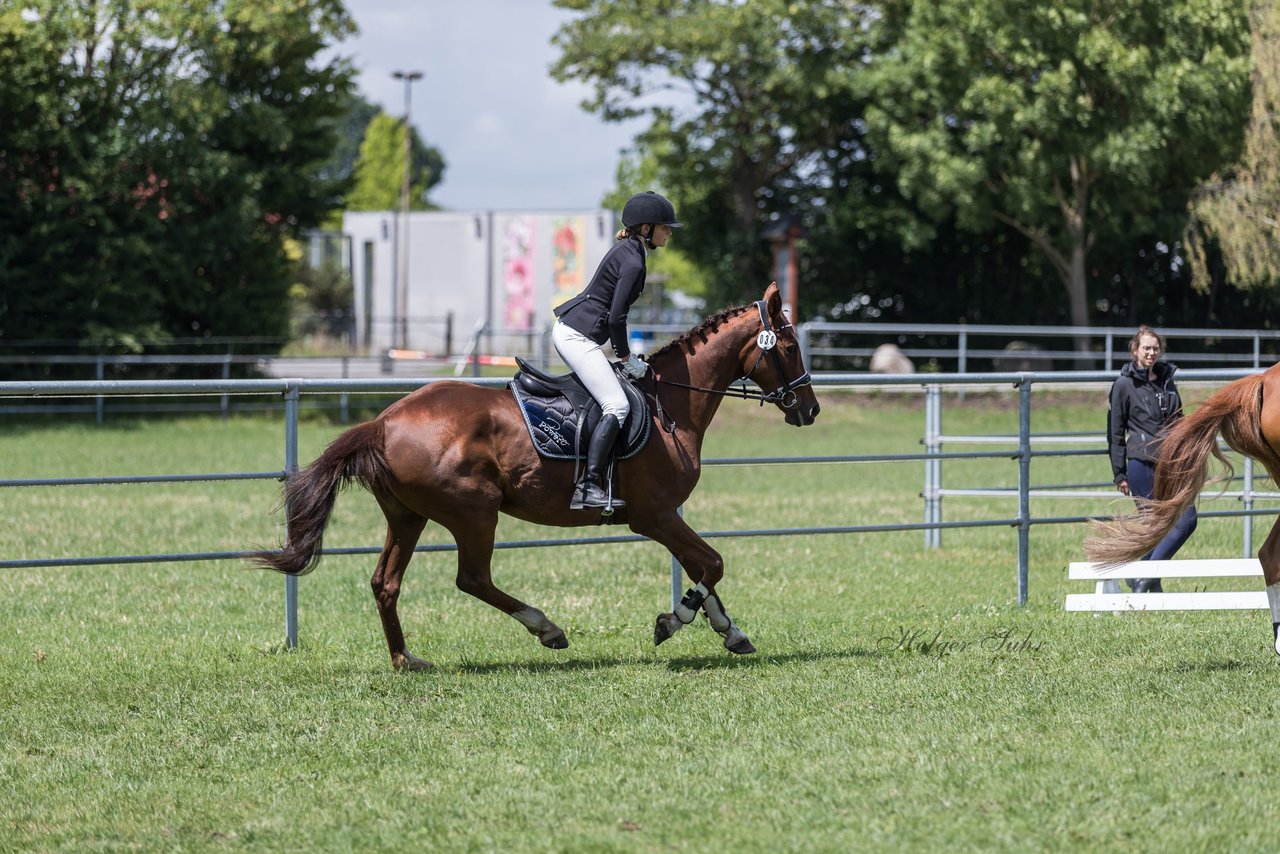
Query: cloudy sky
(512,137)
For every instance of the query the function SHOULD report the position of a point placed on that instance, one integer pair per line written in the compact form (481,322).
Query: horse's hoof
(411,663)
(556,641)
(666,626)
(742,646)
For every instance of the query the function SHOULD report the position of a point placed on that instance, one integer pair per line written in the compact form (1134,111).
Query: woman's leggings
(586,359)
(1142,484)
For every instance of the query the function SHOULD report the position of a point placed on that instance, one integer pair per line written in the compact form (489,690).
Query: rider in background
(1143,401)
(599,314)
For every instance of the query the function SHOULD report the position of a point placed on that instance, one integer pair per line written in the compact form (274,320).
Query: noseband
(767,340)
(785,394)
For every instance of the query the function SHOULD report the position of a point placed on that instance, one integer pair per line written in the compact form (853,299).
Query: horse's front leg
(705,567)
(735,640)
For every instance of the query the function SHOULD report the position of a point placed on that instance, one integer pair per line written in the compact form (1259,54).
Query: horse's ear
(773,298)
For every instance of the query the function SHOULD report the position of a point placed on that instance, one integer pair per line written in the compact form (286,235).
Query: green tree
(1073,123)
(379,168)
(638,172)
(1238,211)
(166,152)
(349,129)
(742,96)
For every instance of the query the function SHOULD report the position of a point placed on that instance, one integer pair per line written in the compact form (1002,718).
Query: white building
(503,269)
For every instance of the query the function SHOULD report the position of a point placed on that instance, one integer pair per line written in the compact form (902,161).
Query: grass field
(900,699)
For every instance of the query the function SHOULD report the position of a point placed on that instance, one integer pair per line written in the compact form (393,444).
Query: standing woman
(1143,400)
(599,314)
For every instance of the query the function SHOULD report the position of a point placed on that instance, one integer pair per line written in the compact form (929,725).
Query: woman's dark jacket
(600,311)
(1136,411)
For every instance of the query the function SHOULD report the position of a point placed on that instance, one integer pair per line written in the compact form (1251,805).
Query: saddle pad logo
(554,435)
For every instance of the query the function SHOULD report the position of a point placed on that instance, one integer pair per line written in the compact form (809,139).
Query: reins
(784,395)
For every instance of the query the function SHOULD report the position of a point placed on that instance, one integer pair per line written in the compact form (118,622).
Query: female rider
(599,314)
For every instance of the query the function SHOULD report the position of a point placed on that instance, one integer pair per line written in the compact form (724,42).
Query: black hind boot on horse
(594,490)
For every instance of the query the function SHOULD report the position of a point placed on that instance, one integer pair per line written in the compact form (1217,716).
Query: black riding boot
(592,492)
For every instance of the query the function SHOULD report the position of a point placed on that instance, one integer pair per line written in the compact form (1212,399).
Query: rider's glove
(635,367)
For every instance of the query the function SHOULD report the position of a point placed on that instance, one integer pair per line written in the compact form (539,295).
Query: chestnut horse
(459,455)
(1247,414)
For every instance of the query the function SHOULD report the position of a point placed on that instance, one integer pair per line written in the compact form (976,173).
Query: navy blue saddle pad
(561,414)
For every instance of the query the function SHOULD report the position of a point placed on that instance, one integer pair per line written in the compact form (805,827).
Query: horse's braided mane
(698,334)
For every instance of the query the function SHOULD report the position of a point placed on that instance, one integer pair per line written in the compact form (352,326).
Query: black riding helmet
(649,207)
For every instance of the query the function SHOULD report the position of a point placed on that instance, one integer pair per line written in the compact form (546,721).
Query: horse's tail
(1180,470)
(357,454)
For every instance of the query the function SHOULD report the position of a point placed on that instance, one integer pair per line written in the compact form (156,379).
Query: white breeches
(586,358)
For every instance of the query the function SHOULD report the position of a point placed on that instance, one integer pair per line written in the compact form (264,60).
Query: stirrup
(589,495)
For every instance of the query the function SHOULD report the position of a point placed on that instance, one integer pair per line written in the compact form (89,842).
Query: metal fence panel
(292,392)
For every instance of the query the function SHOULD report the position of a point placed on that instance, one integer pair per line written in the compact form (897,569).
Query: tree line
(159,160)
(985,160)
(153,160)
(980,160)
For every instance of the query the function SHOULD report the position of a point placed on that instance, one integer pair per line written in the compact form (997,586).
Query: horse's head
(772,359)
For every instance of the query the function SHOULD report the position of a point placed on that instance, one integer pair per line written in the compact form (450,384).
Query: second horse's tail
(309,495)
(1234,411)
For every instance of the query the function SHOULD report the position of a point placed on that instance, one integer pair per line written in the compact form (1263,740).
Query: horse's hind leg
(403,529)
(1269,557)
(705,567)
(475,560)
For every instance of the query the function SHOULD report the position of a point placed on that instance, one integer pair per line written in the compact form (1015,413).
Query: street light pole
(409,77)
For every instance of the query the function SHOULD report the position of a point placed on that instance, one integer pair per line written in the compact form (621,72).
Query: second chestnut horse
(1247,414)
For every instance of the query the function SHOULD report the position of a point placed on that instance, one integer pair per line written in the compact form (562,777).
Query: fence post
(225,403)
(290,468)
(677,572)
(98,401)
(1024,485)
(343,407)
(481,331)
(932,468)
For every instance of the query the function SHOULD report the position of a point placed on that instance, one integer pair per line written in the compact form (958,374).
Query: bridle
(767,341)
